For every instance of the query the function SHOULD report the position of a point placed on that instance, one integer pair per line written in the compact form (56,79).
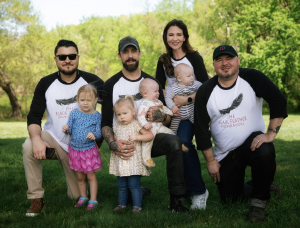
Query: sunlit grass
(60,211)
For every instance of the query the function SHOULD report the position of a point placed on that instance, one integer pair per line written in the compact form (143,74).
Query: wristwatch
(165,117)
(190,99)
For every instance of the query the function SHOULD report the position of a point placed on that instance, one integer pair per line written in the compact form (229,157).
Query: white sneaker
(199,201)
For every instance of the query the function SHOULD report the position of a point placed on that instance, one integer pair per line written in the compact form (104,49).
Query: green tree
(15,17)
(268,38)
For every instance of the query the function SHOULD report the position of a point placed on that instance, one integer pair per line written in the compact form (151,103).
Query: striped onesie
(186,111)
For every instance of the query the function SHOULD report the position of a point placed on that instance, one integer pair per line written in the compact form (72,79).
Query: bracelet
(110,143)
(211,160)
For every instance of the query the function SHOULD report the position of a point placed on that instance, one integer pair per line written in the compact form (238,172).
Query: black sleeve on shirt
(107,103)
(38,104)
(201,117)
(199,68)
(160,74)
(95,81)
(265,88)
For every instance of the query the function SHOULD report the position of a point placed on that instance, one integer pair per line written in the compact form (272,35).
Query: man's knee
(266,152)
(27,148)
(175,144)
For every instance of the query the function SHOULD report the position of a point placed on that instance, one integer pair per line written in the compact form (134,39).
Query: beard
(133,67)
(228,75)
(68,72)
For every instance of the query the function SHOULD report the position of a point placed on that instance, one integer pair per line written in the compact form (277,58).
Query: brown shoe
(36,207)
(257,214)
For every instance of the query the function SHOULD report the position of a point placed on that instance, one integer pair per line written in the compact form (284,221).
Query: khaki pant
(33,168)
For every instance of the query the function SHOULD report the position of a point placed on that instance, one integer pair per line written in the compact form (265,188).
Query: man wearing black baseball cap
(228,108)
(127,82)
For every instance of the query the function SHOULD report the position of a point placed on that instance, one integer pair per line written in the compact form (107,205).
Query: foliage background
(266,35)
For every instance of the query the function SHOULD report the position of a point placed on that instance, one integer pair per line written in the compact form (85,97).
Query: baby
(186,85)
(149,89)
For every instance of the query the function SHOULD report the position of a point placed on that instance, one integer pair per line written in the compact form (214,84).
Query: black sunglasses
(64,57)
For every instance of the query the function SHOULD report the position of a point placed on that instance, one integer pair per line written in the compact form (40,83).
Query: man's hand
(273,129)
(122,148)
(155,115)
(148,126)
(90,136)
(65,128)
(213,168)
(175,111)
(260,139)
(39,148)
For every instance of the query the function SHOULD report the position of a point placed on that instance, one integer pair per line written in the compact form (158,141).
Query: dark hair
(65,43)
(186,47)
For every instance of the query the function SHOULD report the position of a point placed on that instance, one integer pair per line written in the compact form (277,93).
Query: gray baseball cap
(126,41)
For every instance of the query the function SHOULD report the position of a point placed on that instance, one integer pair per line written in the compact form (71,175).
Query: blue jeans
(192,168)
(132,183)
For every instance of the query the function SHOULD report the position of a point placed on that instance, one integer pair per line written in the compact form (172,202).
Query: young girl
(84,127)
(129,172)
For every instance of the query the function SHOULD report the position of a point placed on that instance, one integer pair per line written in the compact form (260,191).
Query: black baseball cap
(224,49)
(126,41)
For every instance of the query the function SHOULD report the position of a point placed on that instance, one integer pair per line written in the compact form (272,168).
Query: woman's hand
(183,100)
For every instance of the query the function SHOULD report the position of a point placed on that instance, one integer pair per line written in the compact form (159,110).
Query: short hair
(181,66)
(88,88)
(127,99)
(144,84)
(65,43)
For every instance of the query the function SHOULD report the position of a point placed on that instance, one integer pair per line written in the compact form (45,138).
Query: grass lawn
(282,211)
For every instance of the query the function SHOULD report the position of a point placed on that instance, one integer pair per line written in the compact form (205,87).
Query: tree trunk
(5,84)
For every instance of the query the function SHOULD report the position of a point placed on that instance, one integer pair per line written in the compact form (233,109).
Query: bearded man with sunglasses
(55,93)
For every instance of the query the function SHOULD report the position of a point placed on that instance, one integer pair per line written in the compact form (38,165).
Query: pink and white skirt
(85,161)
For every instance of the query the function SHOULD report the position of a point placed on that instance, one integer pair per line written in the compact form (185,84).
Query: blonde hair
(127,100)
(181,67)
(88,88)
(144,83)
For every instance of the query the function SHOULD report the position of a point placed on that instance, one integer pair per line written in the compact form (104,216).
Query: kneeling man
(228,108)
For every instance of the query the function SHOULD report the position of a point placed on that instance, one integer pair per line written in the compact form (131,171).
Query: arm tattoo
(205,150)
(157,115)
(114,147)
(108,135)
(277,129)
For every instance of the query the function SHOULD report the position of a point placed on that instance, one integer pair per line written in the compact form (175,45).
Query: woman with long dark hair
(179,50)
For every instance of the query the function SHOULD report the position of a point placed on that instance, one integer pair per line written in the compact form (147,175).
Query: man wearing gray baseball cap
(126,82)
(228,108)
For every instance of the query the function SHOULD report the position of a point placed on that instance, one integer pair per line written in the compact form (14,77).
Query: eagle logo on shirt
(66,101)
(136,97)
(236,102)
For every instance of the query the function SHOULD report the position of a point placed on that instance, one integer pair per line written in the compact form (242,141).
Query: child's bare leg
(93,185)
(81,183)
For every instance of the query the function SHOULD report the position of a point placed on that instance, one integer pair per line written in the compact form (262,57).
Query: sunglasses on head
(64,57)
